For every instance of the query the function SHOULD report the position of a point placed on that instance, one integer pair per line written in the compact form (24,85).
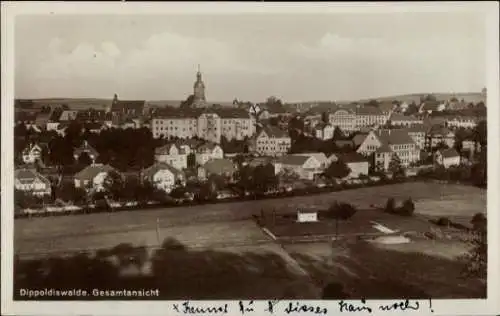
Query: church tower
(199,90)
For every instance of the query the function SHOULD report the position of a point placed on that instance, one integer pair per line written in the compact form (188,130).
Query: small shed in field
(305,216)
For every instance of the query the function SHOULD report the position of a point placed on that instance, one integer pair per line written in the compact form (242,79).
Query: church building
(199,99)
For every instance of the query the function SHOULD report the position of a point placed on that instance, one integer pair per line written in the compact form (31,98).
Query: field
(361,223)
(196,235)
(217,252)
(95,230)
(367,271)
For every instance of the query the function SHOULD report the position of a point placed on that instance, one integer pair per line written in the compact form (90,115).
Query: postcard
(230,158)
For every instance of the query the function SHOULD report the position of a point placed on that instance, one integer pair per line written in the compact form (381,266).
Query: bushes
(407,209)
(443,221)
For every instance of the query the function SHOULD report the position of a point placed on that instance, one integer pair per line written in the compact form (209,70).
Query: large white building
(209,124)
(271,141)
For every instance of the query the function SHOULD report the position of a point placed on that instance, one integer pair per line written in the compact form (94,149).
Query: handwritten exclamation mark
(430,305)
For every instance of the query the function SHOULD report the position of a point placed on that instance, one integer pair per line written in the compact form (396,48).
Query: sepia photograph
(204,154)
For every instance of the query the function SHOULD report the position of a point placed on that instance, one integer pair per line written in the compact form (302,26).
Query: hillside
(473,97)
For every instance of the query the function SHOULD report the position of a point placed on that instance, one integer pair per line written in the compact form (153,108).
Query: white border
(10,9)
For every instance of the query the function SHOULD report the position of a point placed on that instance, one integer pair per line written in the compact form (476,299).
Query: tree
(131,189)
(340,211)
(337,170)
(84,159)
(325,117)
(374,103)
(408,208)
(113,185)
(264,178)
(395,167)
(477,258)
(338,134)
(390,207)
(334,291)
(191,160)
(178,193)
(65,107)
(188,102)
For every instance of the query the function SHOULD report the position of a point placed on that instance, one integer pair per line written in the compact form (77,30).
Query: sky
(300,57)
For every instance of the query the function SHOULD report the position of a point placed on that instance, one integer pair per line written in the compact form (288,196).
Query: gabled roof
(344,143)
(26,176)
(416,129)
(68,115)
(369,110)
(90,172)
(351,157)
(358,139)
(207,146)
(296,160)
(273,131)
(85,147)
(135,106)
(165,149)
(321,126)
(386,107)
(406,118)
(153,169)
(448,153)
(394,137)
(91,115)
(439,131)
(232,113)
(219,166)
(383,149)
(430,106)
(321,157)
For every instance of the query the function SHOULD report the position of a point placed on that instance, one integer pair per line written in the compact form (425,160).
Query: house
(306,167)
(163,176)
(307,216)
(208,151)
(272,141)
(462,122)
(344,119)
(404,120)
(320,157)
(173,155)
(432,106)
(93,177)
(356,162)
(368,116)
(418,134)
(344,143)
(438,135)
(94,127)
(324,131)
(208,124)
(358,139)
(86,148)
(221,167)
(382,145)
(32,153)
(68,115)
(447,157)
(470,145)
(127,107)
(32,182)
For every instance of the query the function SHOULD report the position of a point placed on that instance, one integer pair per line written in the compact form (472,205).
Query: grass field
(368,271)
(103,229)
(196,235)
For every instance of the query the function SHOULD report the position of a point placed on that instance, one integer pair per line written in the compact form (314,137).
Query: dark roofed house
(447,157)
(163,176)
(93,176)
(128,107)
(91,115)
(220,167)
(356,163)
(86,148)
